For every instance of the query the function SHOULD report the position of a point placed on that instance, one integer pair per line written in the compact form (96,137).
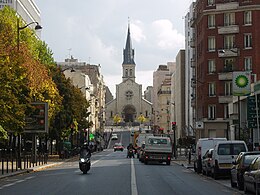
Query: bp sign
(241,83)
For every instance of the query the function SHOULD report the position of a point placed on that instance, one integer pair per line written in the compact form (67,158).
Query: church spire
(128,51)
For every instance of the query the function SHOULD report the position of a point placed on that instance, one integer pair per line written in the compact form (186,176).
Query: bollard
(189,157)
(2,166)
(12,164)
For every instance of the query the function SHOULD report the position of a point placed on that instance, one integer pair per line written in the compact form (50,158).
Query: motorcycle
(84,164)
(130,153)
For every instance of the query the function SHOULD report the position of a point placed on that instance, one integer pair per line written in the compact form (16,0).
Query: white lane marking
(30,177)
(7,185)
(19,181)
(133,179)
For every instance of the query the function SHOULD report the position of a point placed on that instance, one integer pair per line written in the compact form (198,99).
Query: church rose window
(129,95)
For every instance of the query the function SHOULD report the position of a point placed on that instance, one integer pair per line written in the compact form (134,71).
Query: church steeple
(128,51)
(128,63)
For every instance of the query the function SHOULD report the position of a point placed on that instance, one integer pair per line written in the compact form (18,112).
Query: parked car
(252,177)
(203,144)
(114,137)
(118,146)
(207,162)
(240,165)
(225,152)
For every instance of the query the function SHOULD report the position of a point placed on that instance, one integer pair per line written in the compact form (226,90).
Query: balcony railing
(164,92)
(230,52)
(232,29)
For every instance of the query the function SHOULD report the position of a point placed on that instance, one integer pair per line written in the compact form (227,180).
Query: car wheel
(245,188)
(215,174)
(145,162)
(240,182)
(168,162)
(207,172)
(232,183)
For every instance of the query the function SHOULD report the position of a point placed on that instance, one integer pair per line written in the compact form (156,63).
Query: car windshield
(231,149)
(249,158)
(157,141)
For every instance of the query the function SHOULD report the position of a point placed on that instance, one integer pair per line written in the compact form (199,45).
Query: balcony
(227,5)
(232,29)
(225,99)
(224,76)
(163,92)
(223,53)
(193,102)
(192,63)
(192,43)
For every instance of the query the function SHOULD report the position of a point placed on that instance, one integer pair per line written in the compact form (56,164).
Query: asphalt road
(113,173)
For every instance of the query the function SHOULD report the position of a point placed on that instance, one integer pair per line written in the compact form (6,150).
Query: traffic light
(173,126)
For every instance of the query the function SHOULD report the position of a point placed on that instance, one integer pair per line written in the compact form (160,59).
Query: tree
(117,119)
(23,79)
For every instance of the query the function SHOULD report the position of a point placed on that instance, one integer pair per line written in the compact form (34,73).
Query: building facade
(26,9)
(226,40)
(128,103)
(163,72)
(89,79)
(177,99)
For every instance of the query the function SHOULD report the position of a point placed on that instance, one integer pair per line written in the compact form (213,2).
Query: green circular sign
(241,81)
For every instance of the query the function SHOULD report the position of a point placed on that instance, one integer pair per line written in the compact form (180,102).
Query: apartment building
(26,9)
(226,35)
(89,79)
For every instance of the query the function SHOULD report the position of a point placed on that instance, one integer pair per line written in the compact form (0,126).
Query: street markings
(133,179)
(16,182)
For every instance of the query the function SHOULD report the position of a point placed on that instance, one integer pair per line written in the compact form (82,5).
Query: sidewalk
(51,163)
(183,161)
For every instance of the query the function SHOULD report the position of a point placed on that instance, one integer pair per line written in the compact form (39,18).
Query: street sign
(37,121)
(241,83)
(251,111)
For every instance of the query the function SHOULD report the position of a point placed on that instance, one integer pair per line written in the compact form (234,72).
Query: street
(112,173)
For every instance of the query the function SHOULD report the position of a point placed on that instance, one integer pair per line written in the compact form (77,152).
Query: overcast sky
(94,31)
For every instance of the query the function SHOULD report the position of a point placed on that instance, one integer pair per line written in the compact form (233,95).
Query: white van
(203,144)
(225,152)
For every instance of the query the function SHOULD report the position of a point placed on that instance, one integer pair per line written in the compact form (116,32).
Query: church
(129,104)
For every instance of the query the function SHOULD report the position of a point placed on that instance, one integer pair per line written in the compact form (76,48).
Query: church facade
(129,104)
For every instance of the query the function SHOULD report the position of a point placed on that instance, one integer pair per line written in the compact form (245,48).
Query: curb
(34,169)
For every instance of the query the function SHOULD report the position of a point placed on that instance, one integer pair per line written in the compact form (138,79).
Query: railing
(10,164)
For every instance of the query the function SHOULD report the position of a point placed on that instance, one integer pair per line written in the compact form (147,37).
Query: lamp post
(37,27)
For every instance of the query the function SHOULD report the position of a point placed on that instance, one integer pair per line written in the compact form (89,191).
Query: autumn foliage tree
(30,75)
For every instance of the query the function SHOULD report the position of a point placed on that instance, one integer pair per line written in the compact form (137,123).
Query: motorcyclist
(85,151)
(130,147)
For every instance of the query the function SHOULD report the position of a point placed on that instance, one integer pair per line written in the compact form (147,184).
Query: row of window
(212,2)
(229,19)
(130,72)
(212,111)
(227,89)
(229,65)
(229,42)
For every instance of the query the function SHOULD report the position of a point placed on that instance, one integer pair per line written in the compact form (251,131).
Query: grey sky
(95,31)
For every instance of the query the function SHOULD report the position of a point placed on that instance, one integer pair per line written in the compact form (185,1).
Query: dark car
(252,176)
(240,165)
(118,146)
(207,162)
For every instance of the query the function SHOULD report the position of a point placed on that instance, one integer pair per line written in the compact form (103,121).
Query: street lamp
(37,27)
